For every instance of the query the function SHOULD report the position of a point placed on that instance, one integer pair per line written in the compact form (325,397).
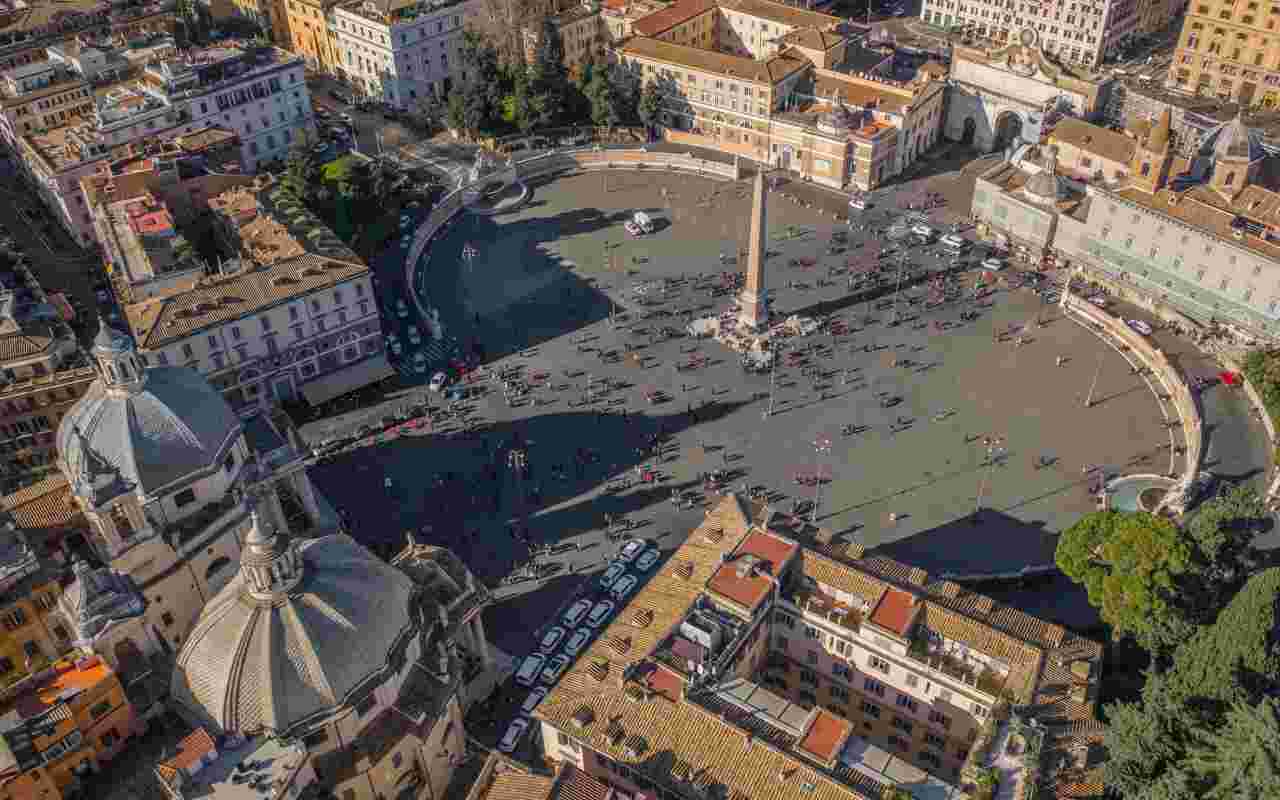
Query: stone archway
(1007,130)
(970,128)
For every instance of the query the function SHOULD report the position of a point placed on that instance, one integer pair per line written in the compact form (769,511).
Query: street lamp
(469,254)
(902,265)
(821,447)
(995,448)
(773,377)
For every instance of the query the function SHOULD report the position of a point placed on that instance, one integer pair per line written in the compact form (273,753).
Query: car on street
(527,675)
(954,242)
(1099,300)
(600,613)
(554,669)
(923,231)
(535,697)
(551,639)
(858,204)
(576,612)
(610,575)
(1139,326)
(992,263)
(438,381)
(624,587)
(647,559)
(576,642)
(630,550)
(515,732)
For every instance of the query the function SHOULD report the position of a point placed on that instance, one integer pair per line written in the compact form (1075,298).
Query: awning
(348,380)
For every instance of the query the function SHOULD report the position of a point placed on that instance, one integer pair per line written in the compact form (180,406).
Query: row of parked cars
(564,641)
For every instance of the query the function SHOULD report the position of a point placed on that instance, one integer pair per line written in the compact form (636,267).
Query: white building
(294,315)
(1079,32)
(400,51)
(260,94)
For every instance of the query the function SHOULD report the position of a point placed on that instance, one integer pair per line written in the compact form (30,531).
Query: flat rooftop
(239,773)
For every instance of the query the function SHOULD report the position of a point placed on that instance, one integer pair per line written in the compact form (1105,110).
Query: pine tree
(549,78)
(1242,758)
(649,108)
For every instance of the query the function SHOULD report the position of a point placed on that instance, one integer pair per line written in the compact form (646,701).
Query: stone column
(754,314)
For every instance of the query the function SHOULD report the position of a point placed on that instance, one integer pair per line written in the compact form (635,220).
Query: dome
(294,634)
(1233,140)
(142,431)
(1044,186)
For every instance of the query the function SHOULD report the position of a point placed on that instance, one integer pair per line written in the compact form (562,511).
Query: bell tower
(1149,170)
(117,361)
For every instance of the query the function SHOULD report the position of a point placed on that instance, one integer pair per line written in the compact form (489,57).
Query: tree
(301,170)
(524,105)
(548,75)
(606,105)
(1129,563)
(480,92)
(1241,758)
(1222,531)
(1156,748)
(649,108)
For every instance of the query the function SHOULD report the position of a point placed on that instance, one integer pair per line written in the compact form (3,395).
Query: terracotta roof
(832,573)
(1094,139)
(573,784)
(895,612)
(731,66)
(858,94)
(780,12)
(750,576)
(193,747)
(671,16)
(813,39)
(507,783)
(1205,210)
(826,736)
(666,683)
(42,506)
(33,341)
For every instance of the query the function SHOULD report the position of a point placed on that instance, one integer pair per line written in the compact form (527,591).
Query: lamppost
(902,266)
(1088,401)
(821,447)
(995,448)
(776,356)
(469,254)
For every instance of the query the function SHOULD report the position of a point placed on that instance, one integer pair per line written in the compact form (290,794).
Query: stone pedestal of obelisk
(754,315)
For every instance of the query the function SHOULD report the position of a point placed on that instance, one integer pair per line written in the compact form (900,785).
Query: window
(167,619)
(187,352)
(266,323)
(293,312)
(840,694)
(184,497)
(873,686)
(913,680)
(101,709)
(894,741)
(315,739)
(812,656)
(842,671)
(934,740)
(902,725)
(807,676)
(876,662)
(870,709)
(811,632)
(15,619)
(110,738)
(807,698)
(979,711)
(213,342)
(930,758)
(785,619)
(907,701)
(939,719)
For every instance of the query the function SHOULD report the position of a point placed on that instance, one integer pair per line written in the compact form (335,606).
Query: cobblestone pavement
(543,283)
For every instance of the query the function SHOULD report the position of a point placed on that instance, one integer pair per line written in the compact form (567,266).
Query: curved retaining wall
(1184,402)
(569,162)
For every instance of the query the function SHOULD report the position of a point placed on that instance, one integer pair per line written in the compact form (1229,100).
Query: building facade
(1000,96)
(403,52)
(1081,33)
(765,667)
(306,325)
(1229,51)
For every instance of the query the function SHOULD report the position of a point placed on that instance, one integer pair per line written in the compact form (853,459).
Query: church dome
(141,428)
(1233,140)
(299,631)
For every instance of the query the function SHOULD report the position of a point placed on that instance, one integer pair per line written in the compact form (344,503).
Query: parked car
(624,587)
(527,675)
(551,639)
(600,613)
(858,204)
(438,382)
(515,732)
(647,559)
(555,668)
(576,642)
(610,575)
(576,612)
(535,697)
(630,550)
(1139,326)
(954,242)
(992,263)
(1099,300)
(923,231)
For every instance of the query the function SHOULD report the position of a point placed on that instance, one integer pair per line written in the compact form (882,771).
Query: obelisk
(755,305)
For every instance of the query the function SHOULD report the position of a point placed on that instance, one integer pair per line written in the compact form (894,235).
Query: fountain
(491,186)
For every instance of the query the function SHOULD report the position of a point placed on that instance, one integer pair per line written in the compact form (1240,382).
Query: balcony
(982,678)
(826,607)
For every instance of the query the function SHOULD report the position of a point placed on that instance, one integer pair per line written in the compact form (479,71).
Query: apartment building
(310,32)
(767,667)
(66,721)
(618,16)
(31,633)
(582,32)
(754,82)
(1081,33)
(400,52)
(290,315)
(1229,50)
(40,24)
(38,376)
(259,93)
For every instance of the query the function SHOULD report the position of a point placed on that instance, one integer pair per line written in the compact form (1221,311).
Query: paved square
(541,279)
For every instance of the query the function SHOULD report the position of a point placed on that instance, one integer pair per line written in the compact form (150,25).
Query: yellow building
(31,632)
(1229,51)
(66,723)
(309,33)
